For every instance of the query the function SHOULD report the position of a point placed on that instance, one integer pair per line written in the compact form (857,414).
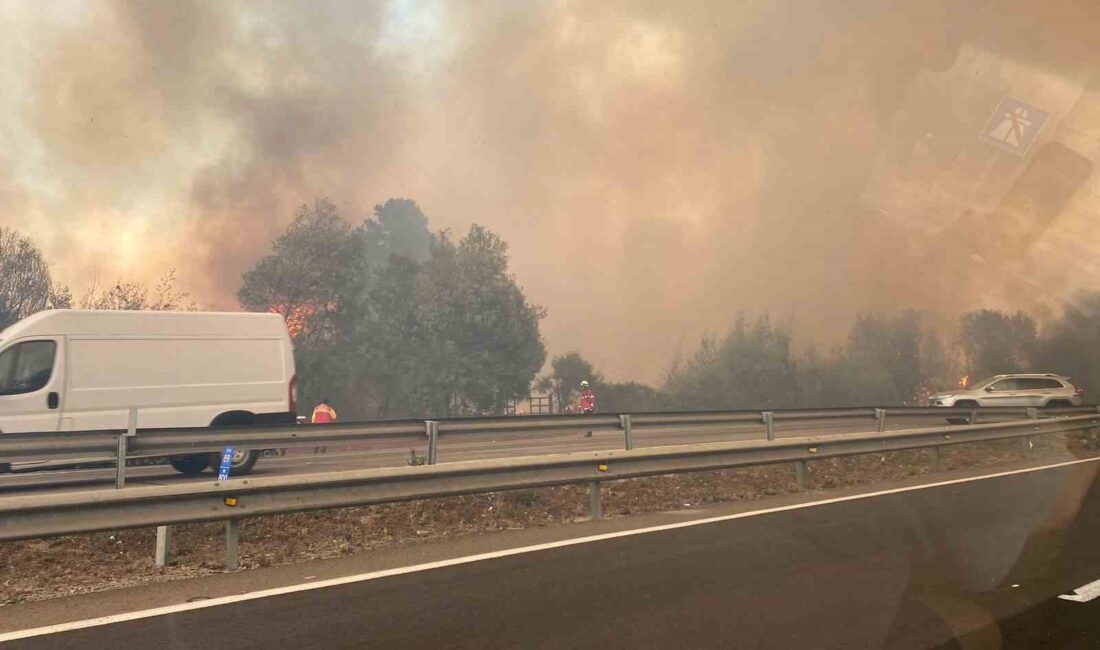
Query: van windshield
(26,367)
(7,364)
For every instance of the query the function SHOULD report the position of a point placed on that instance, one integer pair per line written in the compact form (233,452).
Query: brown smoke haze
(656,167)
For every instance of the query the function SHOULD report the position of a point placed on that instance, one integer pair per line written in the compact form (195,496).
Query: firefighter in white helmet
(588,401)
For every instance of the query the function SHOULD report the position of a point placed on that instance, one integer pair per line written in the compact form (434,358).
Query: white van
(80,370)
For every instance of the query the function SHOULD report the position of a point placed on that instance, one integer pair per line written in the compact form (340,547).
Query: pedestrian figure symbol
(1014,125)
(1012,128)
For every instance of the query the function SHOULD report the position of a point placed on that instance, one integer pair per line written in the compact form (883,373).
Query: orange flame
(297,316)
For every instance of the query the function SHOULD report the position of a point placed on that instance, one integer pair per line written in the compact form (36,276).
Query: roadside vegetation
(391,319)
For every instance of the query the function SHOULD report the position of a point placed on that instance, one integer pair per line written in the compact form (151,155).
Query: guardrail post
(594,499)
(769,420)
(801,475)
(164,545)
(973,419)
(880,415)
(120,450)
(1028,443)
(1092,434)
(432,428)
(232,544)
(937,463)
(628,431)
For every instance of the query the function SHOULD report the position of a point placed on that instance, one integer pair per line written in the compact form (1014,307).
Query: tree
(25,283)
(60,297)
(480,333)
(751,367)
(695,383)
(937,368)
(883,359)
(398,228)
(1071,345)
(397,322)
(993,342)
(135,296)
(824,382)
(122,296)
(628,397)
(315,265)
(386,339)
(314,271)
(380,322)
(567,371)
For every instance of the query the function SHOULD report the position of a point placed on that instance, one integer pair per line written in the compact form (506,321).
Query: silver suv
(1014,390)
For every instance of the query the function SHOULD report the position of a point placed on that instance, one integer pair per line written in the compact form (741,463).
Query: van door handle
(52,400)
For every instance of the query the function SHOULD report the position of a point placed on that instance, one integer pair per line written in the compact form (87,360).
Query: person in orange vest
(322,414)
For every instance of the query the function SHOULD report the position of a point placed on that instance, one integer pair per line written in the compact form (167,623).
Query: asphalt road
(391,453)
(982,559)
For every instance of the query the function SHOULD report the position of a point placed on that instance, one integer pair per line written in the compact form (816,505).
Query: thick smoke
(656,167)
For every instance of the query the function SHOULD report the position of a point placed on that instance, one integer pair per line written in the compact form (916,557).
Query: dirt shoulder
(50,568)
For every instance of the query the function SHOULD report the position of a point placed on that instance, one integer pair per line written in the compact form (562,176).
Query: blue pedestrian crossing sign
(227,463)
(1014,126)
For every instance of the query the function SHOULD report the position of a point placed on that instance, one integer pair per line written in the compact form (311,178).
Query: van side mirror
(989,389)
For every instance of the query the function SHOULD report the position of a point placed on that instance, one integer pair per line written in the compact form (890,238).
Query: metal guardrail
(84,444)
(529,423)
(106,445)
(34,516)
(177,441)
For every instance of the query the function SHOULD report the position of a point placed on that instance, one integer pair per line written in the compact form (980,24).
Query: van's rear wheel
(192,465)
(243,459)
(241,465)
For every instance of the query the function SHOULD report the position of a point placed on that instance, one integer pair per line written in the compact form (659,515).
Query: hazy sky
(656,167)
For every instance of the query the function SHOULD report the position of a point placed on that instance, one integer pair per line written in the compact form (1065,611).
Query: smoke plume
(656,167)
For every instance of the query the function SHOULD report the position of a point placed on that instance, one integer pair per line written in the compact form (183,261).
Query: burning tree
(388,328)
(308,277)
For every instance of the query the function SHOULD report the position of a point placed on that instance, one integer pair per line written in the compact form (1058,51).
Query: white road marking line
(1084,594)
(385,573)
